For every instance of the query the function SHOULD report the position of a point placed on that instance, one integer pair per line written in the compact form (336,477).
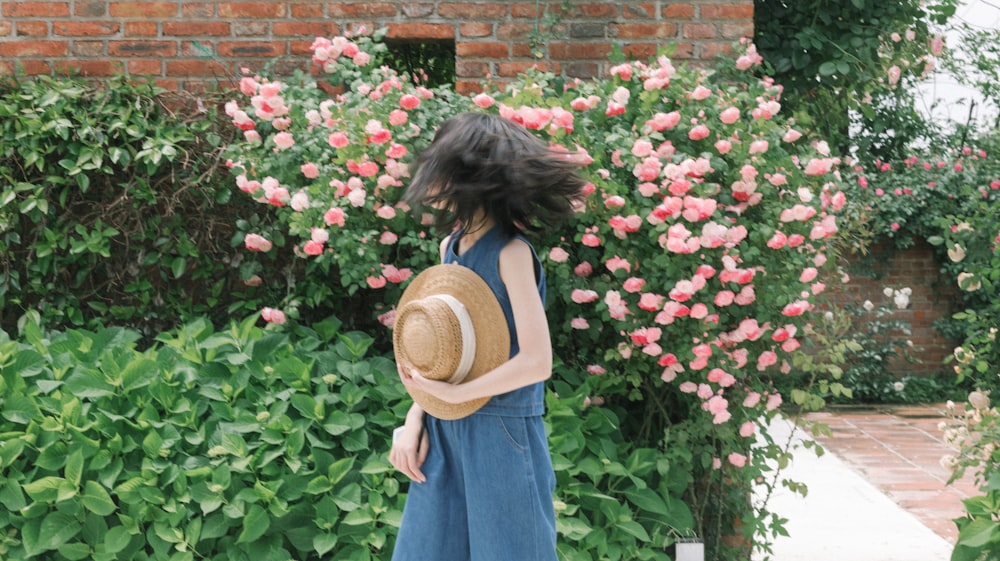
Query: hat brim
(488,321)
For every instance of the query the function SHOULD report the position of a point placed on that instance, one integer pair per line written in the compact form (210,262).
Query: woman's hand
(446,392)
(409,449)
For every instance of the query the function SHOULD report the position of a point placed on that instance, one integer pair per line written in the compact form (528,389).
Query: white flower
(949,462)
(968,282)
(956,253)
(899,386)
(887,291)
(979,400)
(868,306)
(901,300)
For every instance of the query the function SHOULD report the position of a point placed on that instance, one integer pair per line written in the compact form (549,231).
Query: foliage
(849,67)
(699,190)
(238,444)
(974,430)
(975,61)
(99,188)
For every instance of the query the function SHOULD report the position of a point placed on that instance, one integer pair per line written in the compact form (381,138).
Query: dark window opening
(429,62)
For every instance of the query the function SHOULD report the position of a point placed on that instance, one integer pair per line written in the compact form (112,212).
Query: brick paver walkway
(898,449)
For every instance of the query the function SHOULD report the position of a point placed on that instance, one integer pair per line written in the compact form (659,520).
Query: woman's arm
(533,362)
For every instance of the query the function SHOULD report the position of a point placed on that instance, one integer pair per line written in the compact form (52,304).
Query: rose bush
(677,293)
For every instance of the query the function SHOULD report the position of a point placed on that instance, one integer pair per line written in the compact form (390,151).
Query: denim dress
(488,495)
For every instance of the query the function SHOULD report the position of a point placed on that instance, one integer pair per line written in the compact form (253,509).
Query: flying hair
(485,162)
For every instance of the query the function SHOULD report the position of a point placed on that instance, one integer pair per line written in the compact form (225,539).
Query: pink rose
(699,132)
(313,248)
(409,102)
(310,170)
(271,315)
(737,460)
(730,115)
(256,242)
(484,100)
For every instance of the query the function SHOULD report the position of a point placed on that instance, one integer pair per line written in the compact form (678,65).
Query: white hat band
(468,336)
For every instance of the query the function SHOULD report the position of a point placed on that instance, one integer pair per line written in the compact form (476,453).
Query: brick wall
(187,44)
(932,298)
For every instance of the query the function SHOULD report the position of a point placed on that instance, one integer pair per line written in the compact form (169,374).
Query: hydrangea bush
(676,294)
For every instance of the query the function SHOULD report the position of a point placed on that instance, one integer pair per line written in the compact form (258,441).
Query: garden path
(878,494)
(898,449)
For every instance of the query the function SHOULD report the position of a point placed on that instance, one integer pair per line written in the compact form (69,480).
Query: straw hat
(449,326)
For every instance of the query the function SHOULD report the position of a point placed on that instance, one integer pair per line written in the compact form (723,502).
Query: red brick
(639,10)
(678,11)
(90,9)
(514,30)
(189,28)
(521,50)
(303,29)
(699,31)
(523,10)
(576,51)
(643,30)
(195,68)
(144,67)
(252,28)
(466,87)
(469,11)
(250,49)
(252,10)
(467,69)
(482,50)
(32,29)
(640,51)
(476,29)
(5,28)
(585,70)
(33,48)
(147,10)
(601,10)
(682,51)
(307,10)
(85,28)
(711,50)
(198,10)
(28,67)
(142,48)
(416,10)
(35,9)
(727,11)
(421,31)
(140,29)
(518,68)
(88,49)
(102,68)
(737,30)
(362,9)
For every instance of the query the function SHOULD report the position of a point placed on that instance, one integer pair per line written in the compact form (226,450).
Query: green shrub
(111,206)
(237,444)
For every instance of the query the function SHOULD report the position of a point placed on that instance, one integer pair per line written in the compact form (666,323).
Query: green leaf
(74,467)
(323,543)
(96,499)
(75,551)
(45,489)
(139,373)
(116,539)
(828,68)
(57,528)
(255,523)
(635,529)
(20,409)
(979,532)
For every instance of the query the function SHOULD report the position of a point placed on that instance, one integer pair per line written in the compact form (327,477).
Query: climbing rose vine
(677,292)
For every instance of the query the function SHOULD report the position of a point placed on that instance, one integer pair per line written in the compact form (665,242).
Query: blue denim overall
(488,495)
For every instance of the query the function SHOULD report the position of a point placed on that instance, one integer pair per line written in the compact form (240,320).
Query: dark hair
(486,162)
